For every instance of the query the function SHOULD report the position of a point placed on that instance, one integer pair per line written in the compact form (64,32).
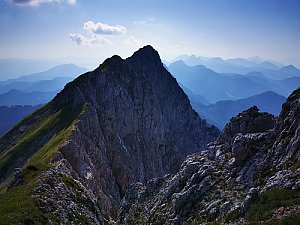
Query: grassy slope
(16,205)
(261,211)
(37,124)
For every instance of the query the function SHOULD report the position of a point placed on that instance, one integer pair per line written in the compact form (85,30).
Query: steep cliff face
(249,174)
(138,125)
(132,123)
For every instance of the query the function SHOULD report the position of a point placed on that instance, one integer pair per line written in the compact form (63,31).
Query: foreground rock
(256,158)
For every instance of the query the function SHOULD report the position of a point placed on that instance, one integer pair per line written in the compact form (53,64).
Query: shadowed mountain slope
(124,122)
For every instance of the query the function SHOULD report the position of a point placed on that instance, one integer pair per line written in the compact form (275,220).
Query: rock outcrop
(255,158)
(137,124)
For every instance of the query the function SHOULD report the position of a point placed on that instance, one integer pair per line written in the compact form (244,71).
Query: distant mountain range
(17,97)
(218,96)
(11,115)
(220,113)
(238,65)
(37,88)
(209,92)
(23,95)
(194,98)
(64,70)
(219,86)
(13,68)
(54,84)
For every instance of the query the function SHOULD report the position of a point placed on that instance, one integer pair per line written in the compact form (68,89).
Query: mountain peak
(127,121)
(147,48)
(114,61)
(145,56)
(179,63)
(289,67)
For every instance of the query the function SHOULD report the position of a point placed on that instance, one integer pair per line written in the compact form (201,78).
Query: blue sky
(96,29)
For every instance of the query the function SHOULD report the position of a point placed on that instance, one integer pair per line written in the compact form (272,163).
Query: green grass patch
(29,120)
(267,202)
(290,220)
(16,205)
(233,215)
(71,183)
(31,140)
(82,219)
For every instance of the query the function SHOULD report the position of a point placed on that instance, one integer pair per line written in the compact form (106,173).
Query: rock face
(138,124)
(256,154)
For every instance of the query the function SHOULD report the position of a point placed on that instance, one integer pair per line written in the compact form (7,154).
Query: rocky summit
(73,160)
(249,175)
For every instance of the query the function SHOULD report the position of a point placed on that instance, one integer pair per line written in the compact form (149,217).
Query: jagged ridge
(137,124)
(250,174)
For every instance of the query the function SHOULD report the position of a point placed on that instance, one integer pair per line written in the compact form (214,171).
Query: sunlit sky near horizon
(96,29)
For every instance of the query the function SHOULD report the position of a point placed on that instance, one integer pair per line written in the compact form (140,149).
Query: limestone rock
(138,124)
(255,153)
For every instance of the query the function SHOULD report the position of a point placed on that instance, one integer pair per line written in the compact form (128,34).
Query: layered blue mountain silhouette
(220,113)
(23,95)
(218,89)
(37,88)
(237,65)
(229,86)
(11,115)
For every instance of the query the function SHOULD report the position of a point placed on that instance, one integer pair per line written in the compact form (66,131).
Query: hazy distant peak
(201,67)
(65,66)
(255,74)
(289,67)
(255,59)
(266,93)
(14,91)
(178,63)
(218,59)
(268,65)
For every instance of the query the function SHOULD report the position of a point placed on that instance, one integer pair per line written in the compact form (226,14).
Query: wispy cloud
(35,3)
(102,28)
(94,40)
(133,40)
(96,34)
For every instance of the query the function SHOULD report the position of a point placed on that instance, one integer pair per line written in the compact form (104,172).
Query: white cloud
(34,3)
(94,40)
(102,28)
(133,40)
(97,34)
